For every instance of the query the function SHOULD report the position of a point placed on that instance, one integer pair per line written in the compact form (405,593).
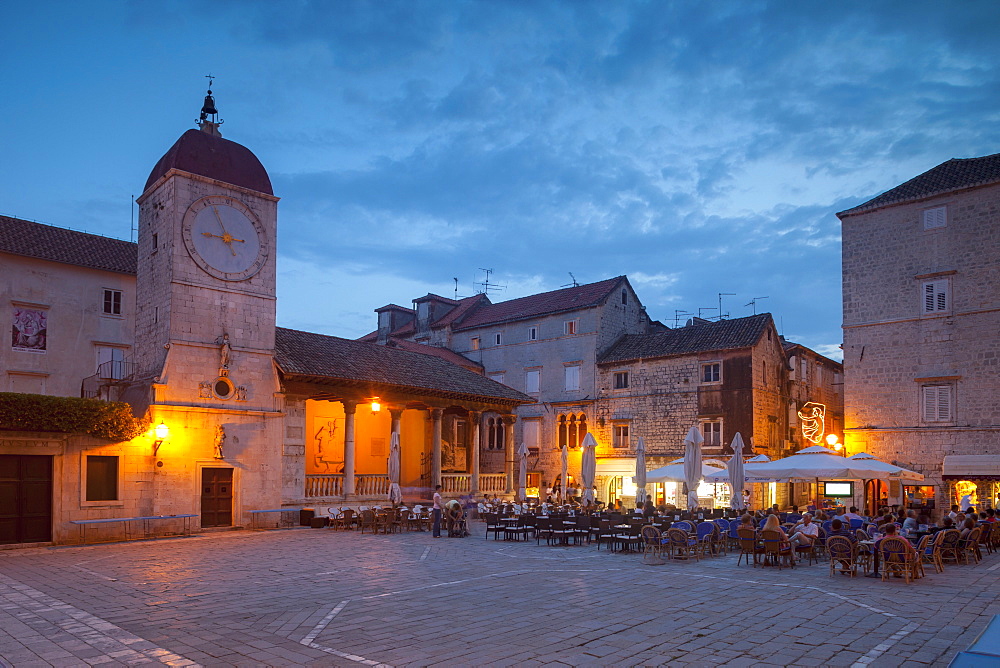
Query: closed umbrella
(640,472)
(395,493)
(522,472)
(565,471)
(588,467)
(736,472)
(692,465)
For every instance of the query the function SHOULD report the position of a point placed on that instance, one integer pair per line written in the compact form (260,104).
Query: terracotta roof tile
(437,351)
(719,335)
(318,355)
(45,242)
(546,303)
(955,174)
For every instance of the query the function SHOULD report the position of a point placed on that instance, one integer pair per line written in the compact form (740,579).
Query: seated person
(910,523)
(853,515)
(838,528)
(804,533)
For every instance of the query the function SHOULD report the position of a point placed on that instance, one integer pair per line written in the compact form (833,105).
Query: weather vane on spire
(210,125)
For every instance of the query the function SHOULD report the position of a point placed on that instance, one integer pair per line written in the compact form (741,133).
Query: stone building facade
(921,280)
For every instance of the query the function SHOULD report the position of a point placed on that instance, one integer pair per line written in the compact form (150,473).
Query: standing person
(436,533)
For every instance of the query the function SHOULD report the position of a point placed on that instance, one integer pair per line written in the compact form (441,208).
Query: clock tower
(205,321)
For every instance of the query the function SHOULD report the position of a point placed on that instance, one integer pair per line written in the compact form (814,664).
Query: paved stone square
(323,597)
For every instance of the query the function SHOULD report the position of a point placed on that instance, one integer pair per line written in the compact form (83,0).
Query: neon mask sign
(812,417)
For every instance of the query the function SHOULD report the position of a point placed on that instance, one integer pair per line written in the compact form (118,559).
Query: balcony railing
(330,485)
(461,483)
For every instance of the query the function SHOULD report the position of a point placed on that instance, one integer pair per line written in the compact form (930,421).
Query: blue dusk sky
(698,147)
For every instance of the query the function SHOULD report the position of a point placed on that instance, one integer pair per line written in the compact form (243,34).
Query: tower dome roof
(199,152)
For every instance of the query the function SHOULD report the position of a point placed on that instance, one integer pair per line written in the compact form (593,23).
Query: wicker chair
(748,546)
(930,552)
(368,521)
(777,549)
(843,555)
(652,546)
(968,547)
(949,544)
(899,559)
(682,545)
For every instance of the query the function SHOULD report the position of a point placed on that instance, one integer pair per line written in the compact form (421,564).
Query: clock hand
(219,218)
(227,238)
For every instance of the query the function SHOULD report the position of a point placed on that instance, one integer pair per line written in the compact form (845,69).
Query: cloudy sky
(699,147)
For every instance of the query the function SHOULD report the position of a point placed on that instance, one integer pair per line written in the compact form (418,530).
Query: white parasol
(640,472)
(395,493)
(565,472)
(588,467)
(692,465)
(735,468)
(522,472)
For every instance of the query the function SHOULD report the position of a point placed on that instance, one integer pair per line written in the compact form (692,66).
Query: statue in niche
(225,350)
(220,440)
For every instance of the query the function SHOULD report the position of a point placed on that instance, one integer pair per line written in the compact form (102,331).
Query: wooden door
(25,499)
(216,497)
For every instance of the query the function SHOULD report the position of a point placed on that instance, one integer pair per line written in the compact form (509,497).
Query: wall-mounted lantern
(162,433)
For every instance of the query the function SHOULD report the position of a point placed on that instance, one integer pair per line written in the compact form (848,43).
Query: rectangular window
(531,381)
(711,431)
(937,403)
(619,436)
(935,294)
(570,327)
(935,218)
(532,333)
(532,435)
(498,377)
(497,339)
(621,380)
(573,377)
(110,362)
(112,302)
(102,478)
(711,372)
(474,343)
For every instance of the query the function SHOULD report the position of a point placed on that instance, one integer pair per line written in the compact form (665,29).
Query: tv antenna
(678,314)
(574,284)
(486,287)
(753,303)
(721,295)
(456,287)
(705,308)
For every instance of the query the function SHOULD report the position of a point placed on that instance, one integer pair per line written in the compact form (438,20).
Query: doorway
(25,499)
(216,497)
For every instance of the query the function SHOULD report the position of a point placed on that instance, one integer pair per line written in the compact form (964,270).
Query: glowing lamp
(376,405)
(162,432)
(831,439)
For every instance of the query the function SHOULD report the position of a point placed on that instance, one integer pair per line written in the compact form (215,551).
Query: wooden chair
(605,533)
(843,555)
(682,545)
(930,552)
(777,549)
(986,536)
(899,559)
(748,546)
(493,525)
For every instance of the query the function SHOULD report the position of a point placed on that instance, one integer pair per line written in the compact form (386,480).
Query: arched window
(572,430)
(494,433)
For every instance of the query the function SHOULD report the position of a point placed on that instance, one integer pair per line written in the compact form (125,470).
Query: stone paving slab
(323,597)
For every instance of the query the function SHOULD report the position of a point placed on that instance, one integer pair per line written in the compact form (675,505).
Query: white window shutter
(934,218)
(937,403)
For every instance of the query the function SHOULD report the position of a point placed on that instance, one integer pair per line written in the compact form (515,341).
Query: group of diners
(896,537)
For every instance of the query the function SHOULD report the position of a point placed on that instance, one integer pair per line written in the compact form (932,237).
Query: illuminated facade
(921,314)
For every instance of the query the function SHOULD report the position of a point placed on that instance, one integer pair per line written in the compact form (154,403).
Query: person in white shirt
(804,533)
(853,514)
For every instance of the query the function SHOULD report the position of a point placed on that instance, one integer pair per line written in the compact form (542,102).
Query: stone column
(436,414)
(474,418)
(508,437)
(349,409)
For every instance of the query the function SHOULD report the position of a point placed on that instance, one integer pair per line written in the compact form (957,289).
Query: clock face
(225,238)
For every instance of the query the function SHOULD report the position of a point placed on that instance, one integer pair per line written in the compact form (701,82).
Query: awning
(971,467)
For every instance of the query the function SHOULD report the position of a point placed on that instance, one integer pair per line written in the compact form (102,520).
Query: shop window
(102,478)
